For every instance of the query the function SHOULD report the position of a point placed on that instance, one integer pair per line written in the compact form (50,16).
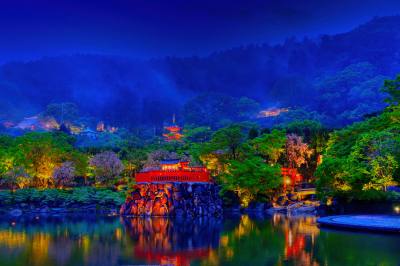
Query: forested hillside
(335,79)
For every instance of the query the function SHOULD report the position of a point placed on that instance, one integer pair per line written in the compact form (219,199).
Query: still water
(240,240)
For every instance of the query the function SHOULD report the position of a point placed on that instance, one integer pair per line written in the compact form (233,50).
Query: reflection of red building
(164,242)
(176,258)
(174,171)
(300,233)
(294,244)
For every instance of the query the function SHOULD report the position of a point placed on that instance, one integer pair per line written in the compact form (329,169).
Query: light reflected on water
(241,240)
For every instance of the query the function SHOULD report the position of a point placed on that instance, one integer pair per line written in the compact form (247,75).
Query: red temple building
(174,171)
(173,132)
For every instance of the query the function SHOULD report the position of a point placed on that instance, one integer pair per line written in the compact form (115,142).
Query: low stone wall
(173,199)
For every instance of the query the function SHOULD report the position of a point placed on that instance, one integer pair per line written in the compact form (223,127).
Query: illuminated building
(271,112)
(100,126)
(173,132)
(38,123)
(174,171)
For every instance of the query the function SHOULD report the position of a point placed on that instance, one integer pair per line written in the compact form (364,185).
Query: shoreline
(366,222)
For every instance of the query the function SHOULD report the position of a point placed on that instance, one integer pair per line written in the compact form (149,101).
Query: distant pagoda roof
(173,128)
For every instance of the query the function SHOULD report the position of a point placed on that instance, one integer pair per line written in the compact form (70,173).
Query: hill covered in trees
(335,79)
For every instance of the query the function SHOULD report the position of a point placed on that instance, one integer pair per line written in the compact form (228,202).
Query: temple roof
(170,161)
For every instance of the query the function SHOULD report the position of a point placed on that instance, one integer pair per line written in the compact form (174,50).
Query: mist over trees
(335,79)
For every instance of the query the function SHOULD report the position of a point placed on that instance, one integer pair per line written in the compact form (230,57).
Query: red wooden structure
(292,174)
(173,132)
(174,171)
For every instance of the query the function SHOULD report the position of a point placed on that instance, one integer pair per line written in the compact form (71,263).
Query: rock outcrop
(173,199)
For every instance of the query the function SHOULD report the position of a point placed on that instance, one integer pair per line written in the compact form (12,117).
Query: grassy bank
(86,199)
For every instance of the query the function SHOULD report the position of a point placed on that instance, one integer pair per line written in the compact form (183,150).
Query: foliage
(297,152)
(64,175)
(218,109)
(16,178)
(107,167)
(56,197)
(361,160)
(227,139)
(336,76)
(251,178)
(41,153)
(247,167)
(197,134)
(133,160)
(103,141)
(312,132)
(270,146)
(392,88)
(351,93)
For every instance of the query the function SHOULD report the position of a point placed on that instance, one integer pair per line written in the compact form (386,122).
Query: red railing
(173,176)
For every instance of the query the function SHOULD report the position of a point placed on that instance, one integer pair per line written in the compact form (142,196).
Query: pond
(240,240)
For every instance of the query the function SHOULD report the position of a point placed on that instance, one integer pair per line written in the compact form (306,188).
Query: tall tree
(252,178)
(228,138)
(270,146)
(107,167)
(64,175)
(297,152)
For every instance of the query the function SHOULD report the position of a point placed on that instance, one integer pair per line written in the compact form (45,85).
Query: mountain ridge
(149,91)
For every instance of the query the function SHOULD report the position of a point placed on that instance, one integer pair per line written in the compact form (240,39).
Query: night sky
(34,28)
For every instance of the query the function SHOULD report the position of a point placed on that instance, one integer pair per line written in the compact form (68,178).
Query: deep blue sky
(35,28)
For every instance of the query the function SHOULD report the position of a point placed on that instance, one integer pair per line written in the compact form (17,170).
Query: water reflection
(177,242)
(300,233)
(241,240)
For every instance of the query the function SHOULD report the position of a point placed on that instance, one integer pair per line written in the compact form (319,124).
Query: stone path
(383,223)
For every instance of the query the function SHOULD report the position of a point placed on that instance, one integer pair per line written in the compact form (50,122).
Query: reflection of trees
(102,253)
(59,241)
(244,240)
(346,248)
(273,241)
(250,242)
(61,250)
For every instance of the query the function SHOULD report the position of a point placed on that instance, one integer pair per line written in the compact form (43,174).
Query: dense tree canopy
(361,160)
(335,77)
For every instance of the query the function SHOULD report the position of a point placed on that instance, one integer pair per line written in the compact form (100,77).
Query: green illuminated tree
(252,178)
(271,146)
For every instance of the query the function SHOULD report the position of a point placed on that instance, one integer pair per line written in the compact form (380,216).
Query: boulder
(173,199)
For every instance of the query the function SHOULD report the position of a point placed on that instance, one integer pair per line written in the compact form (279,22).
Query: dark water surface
(240,240)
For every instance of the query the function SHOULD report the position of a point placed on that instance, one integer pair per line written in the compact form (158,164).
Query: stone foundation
(173,199)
